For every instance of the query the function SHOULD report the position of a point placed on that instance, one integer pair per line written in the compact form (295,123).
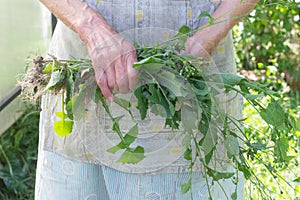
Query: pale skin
(112,56)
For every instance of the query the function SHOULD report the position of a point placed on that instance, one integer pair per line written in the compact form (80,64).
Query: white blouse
(146,22)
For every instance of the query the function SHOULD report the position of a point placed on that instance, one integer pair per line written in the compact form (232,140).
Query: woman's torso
(147,22)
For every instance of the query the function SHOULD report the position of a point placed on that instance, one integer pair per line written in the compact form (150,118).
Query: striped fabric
(59,178)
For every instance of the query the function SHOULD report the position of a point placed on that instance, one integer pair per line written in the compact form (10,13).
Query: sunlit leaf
(63,128)
(60,114)
(273,114)
(48,68)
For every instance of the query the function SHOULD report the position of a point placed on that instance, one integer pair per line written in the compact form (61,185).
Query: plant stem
(7,160)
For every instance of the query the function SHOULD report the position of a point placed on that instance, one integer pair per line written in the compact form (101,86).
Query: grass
(18,156)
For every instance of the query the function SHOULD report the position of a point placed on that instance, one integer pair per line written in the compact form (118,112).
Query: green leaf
(173,122)
(76,106)
(69,86)
(151,64)
(253,96)
(245,170)
(209,155)
(116,148)
(207,14)
(231,79)
(132,156)
(186,141)
(184,29)
(122,102)
(142,102)
(129,138)
(160,110)
(258,146)
(204,123)
(181,37)
(297,125)
(131,135)
(186,186)
(232,146)
(173,82)
(200,91)
(18,138)
(209,141)
(69,108)
(280,150)
(188,154)
(234,195)
(219,175)
(54,80)
(160,105)
(189,117)
(60,114)
(271,92)
(97,95)
(116,120)
(48,68)
(297,180)
(152,68)
(63,128)
(273,114)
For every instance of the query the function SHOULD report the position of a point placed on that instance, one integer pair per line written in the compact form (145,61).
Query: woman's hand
(228,14)
(111,55)
(201,44)
(112,58)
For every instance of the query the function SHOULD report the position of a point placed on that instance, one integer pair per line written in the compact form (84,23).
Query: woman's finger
(132,73)
(121,76)
(111,77)
(101,80)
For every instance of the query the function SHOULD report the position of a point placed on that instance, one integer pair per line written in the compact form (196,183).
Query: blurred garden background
(267,46)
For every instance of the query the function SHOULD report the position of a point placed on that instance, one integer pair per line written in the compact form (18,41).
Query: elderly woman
(78,166)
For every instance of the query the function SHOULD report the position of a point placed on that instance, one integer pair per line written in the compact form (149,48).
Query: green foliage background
(267,45)
(18,156)
(268,48)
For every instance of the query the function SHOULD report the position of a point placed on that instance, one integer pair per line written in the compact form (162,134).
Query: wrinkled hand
(112,59)
(201,44)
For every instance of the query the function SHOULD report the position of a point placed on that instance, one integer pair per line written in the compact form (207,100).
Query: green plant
(280,179)
(267,45)
(269,39)
(18,155)
(180,86)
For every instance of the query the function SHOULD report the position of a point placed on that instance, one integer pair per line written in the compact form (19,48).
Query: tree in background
(269,40)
